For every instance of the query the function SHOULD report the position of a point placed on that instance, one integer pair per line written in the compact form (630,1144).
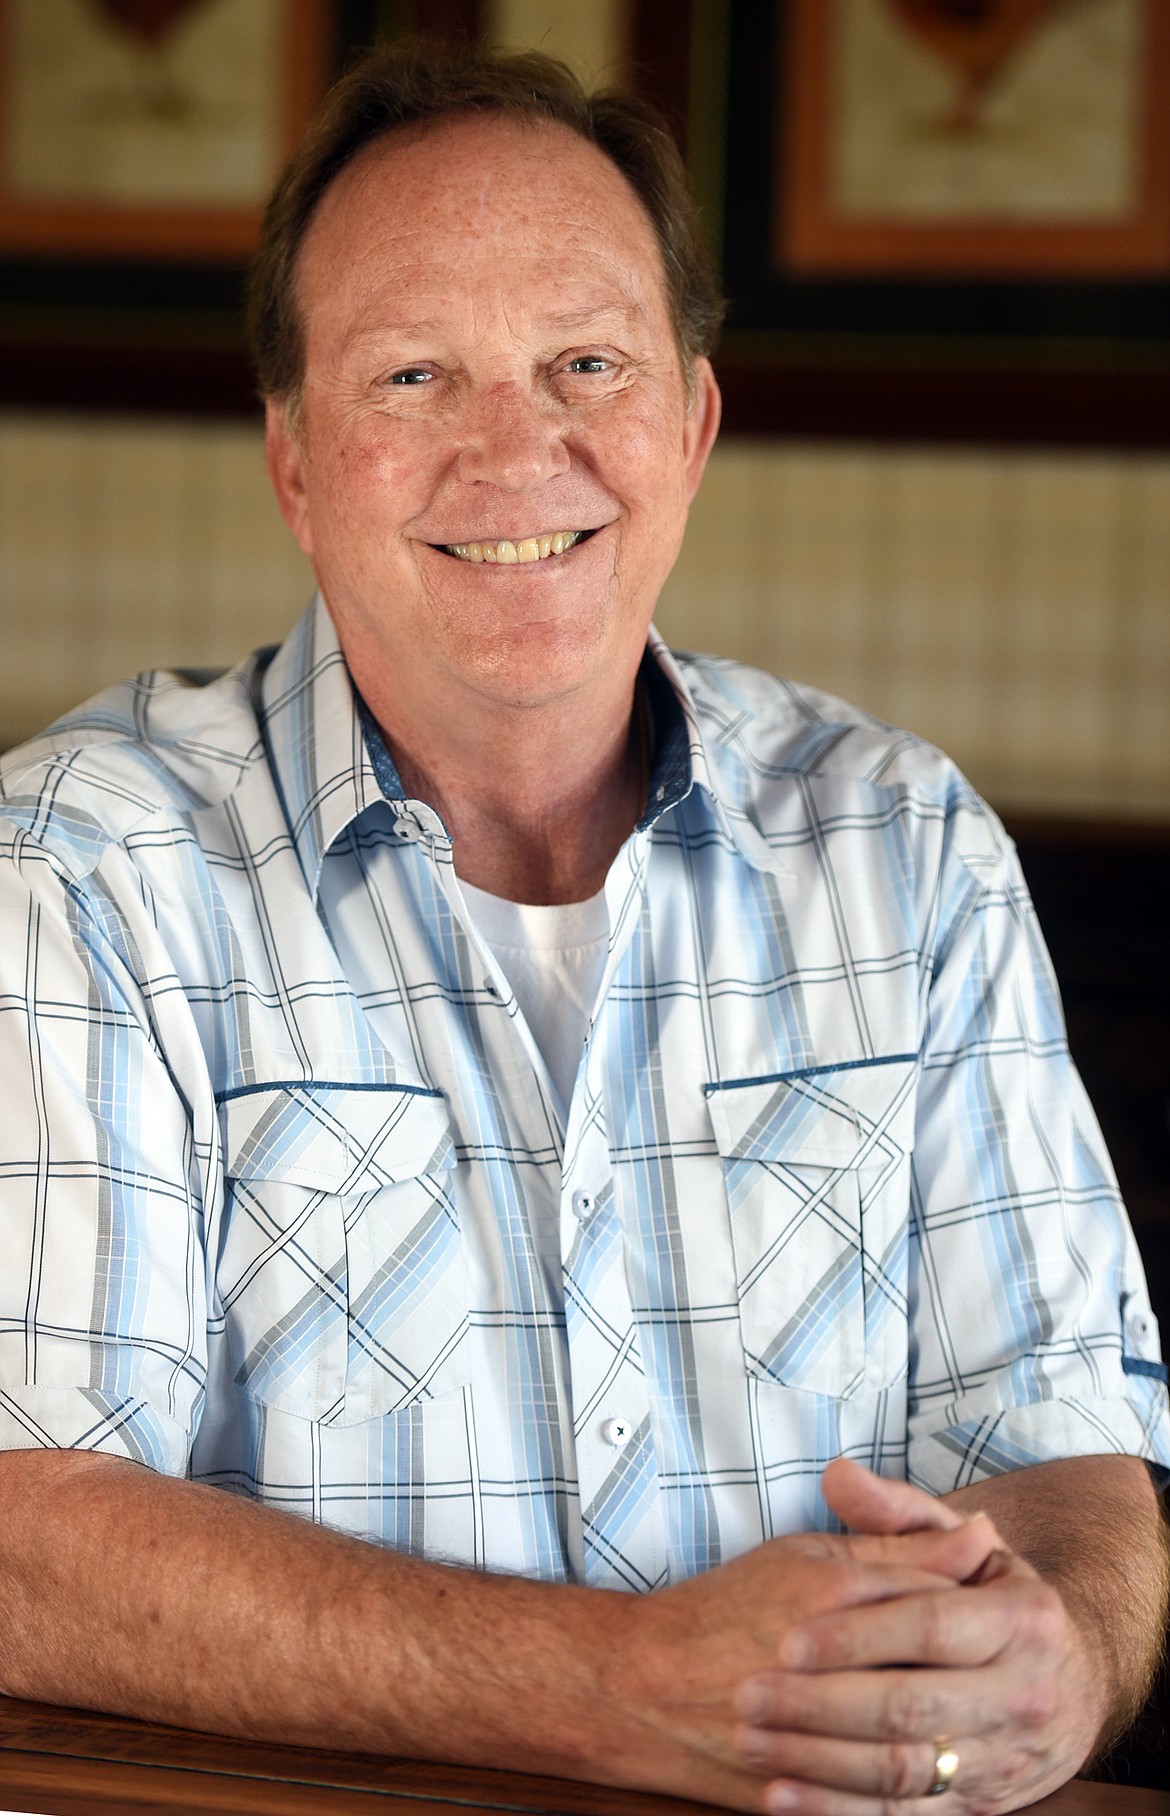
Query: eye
(588,364)
(410,375)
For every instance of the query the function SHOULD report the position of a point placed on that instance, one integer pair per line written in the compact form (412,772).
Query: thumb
(873,1503)
(928,1532)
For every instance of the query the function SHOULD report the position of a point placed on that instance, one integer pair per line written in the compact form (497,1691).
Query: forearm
(123,1590)
(1094,1528)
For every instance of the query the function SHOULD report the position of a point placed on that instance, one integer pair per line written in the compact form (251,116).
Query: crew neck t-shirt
(553,958)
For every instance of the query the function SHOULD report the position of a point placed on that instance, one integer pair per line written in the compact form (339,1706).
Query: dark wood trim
(893,404)
(117,375)
(455,19)
(659,35)
(997,407)
(69,1760)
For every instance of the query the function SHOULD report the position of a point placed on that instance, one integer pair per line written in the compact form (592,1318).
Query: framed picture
(1028,138)
(150,128)
(138,142)
(935,219)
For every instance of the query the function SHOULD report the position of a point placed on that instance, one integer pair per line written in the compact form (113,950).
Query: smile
(508,554)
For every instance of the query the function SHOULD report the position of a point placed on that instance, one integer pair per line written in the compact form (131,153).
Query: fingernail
(779,1799)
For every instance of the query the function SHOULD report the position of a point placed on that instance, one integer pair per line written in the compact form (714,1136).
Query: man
(486,1089)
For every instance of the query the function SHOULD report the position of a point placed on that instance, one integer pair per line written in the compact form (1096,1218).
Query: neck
(537,806)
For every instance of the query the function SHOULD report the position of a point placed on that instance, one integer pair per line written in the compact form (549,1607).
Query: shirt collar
(331,763)
(684,761)
(314,741)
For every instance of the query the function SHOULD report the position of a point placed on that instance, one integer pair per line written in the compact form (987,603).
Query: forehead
(478,203)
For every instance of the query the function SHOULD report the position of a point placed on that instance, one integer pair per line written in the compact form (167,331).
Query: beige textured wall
(1013,607)
(130,544)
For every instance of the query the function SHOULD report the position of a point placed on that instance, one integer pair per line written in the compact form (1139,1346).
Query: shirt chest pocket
(341,1270)
(816,1166)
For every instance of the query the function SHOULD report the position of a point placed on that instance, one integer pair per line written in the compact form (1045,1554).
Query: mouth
(508,553)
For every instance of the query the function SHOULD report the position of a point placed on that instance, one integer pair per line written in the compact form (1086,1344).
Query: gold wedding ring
(946,1764)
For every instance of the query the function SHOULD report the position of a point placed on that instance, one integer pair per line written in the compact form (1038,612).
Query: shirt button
(582,1205)
(1139,1324)
(617,1432)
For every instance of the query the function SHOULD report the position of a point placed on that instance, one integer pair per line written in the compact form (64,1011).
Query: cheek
(646,461)
(374,481)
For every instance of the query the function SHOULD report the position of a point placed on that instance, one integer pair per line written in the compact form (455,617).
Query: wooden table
(68,1763)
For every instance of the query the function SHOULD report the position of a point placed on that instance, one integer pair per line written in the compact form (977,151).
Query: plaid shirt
(281,1172)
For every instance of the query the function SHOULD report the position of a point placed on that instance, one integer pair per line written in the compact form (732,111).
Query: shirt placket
(603,1403)
(622,1527)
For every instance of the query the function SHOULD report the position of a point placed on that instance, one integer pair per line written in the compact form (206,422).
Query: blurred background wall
(1009,605)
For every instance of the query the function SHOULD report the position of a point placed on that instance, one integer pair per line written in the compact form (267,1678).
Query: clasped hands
(918,1632)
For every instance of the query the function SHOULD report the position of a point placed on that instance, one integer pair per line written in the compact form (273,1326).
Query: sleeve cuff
(971,1449)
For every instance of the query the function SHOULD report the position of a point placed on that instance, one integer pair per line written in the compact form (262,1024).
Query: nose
(515,441)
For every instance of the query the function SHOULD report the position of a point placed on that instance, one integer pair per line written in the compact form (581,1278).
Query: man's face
(489,360)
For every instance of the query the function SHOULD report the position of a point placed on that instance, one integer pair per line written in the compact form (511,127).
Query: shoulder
(153,749)
(781,724)
(768,739)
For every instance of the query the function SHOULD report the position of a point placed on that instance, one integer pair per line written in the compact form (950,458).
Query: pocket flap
(334,1137)
(849,1115)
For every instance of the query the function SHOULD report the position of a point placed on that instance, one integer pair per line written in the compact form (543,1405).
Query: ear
(285,458)
(701,425)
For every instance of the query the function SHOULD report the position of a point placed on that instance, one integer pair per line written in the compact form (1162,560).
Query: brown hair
(414,84)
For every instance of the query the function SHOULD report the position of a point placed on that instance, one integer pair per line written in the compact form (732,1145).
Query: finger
(950,1627)
(958,1552)
(911,1706)
(872,1503)
(892,1770)
(848,1582)
(792,1797)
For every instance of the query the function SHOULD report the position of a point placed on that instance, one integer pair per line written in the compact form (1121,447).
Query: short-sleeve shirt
(278,1152)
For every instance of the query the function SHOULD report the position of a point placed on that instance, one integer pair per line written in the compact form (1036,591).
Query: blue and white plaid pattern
(280,1167)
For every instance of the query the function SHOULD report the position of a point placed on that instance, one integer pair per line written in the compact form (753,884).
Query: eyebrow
(564,321)
(581,318)
(380,330)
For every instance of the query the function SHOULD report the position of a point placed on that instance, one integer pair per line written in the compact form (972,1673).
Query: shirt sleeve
(1032,1336)
(102,1279)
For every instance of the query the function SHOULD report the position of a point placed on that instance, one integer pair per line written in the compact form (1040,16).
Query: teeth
(509,554)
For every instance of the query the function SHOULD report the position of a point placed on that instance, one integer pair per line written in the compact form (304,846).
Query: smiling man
(489,459)
(535,1119)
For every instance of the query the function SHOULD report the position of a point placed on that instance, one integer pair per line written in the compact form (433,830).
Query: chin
(537,664)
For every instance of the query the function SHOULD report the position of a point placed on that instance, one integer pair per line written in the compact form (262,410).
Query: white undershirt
(553,958)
